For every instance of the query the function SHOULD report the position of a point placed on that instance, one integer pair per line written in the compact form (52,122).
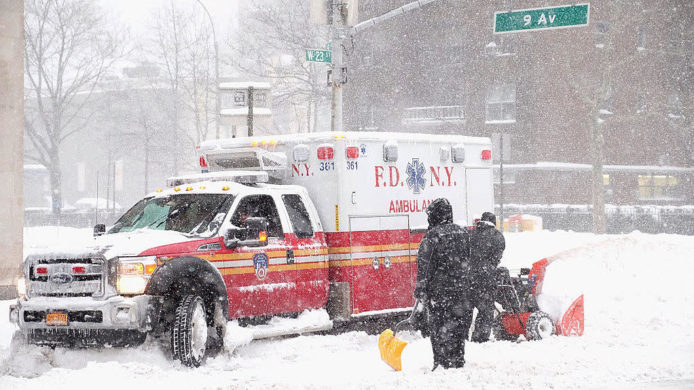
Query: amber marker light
(177,189)
(225,188)
(262,236)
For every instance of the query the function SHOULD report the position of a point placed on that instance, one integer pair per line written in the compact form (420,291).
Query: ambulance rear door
(380,262)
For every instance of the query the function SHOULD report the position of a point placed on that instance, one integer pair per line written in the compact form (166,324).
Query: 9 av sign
(541,18)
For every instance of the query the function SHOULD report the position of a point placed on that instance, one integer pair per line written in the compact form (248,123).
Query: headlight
(134,273)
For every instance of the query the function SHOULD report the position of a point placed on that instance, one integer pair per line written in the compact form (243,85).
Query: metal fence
(620,219)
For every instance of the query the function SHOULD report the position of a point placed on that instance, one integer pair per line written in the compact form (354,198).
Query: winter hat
(439,211)
(488,216)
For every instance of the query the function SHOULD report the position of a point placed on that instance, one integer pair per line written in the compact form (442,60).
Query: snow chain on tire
(182,332)
(539,326)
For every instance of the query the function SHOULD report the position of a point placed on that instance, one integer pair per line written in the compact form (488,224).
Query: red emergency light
(326,152)
(78,269)
(486,154)
(352,152)
(41,270)
(203,163)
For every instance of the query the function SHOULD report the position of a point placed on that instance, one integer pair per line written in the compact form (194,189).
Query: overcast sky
(135,14)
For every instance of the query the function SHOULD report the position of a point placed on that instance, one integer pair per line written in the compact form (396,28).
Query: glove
(419,293)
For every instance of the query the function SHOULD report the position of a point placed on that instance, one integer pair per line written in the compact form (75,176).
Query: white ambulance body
(369,173)
(371,191)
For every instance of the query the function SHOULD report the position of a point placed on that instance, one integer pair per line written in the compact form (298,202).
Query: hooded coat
(487,245)
(442,281)
(442,260)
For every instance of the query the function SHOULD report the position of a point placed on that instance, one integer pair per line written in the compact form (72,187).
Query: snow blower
(521,313)
(390,346)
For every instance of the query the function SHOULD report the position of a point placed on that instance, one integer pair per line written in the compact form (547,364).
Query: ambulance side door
(308,253)
(261,280)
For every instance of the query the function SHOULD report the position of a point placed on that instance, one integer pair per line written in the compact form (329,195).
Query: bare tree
(272,43)
(67,53)
(183,49)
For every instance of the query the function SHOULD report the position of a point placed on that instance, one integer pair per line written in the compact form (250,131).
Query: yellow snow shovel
(390,346)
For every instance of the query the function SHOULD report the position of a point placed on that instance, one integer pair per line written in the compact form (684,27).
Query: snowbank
(639,314)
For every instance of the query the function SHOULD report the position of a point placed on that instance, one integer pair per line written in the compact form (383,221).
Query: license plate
(57,318)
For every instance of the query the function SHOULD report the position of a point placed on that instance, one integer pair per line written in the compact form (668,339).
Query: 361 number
(326,166)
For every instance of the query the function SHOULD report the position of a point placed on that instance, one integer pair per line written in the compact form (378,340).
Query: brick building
(627,76)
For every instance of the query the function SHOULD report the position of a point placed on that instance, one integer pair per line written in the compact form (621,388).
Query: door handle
(290,256)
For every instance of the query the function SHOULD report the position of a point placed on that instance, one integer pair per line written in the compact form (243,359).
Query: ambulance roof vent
(243,177)
(458,153)
(390,151)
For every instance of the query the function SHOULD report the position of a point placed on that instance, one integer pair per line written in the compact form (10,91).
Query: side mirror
(254,234)
(99,229)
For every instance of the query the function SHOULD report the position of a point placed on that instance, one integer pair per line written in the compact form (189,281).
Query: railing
(413,115)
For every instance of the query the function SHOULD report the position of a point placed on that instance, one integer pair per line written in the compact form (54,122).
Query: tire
(539,326)
(500,332)
(189,333)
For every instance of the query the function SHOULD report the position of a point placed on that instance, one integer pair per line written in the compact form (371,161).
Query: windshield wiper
(158,222)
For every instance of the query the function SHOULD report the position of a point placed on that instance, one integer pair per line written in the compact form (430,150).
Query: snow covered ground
(639,334)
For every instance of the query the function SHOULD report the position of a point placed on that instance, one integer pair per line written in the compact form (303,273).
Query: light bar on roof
(243,177)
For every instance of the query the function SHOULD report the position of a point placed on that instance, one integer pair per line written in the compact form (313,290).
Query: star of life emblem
(415,176)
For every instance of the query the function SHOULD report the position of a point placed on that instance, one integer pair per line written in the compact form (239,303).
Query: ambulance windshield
(192,214)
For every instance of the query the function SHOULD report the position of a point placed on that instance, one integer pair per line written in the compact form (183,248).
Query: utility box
(321,12)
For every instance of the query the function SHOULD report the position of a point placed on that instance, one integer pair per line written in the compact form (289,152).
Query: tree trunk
(598,187)
(55,177)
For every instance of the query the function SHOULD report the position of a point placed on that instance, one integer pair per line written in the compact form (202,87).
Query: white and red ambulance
(273,225)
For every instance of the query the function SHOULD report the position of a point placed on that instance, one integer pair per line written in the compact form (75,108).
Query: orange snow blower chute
(390,346)
(571,323)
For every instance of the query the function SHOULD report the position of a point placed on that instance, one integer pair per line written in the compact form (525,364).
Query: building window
(501,46)
(259,99)
(601,30)
(240,98)
(501,104)
(509,176)
(674,106)
(607,102)
(641,39)
(658,187)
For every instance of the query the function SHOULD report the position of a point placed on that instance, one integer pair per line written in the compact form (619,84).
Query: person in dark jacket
(487,245)
(442,278)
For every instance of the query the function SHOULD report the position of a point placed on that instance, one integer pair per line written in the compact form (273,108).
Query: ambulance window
(301,222)
(259,206)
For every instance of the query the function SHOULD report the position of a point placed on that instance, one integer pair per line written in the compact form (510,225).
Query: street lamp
(216,70)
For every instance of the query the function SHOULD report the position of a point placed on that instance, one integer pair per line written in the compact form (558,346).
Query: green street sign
(319,55)
(533,19)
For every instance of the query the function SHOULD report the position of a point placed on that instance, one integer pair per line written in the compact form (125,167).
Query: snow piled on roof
(639,304)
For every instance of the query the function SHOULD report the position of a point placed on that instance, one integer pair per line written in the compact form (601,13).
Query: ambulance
(271,226)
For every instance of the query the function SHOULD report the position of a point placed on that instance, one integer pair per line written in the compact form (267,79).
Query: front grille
(66,277)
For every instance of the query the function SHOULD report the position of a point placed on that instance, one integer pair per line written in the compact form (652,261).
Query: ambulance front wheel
(189,333)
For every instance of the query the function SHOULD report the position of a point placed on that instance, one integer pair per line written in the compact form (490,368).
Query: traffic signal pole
(337,68)
(339,31)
